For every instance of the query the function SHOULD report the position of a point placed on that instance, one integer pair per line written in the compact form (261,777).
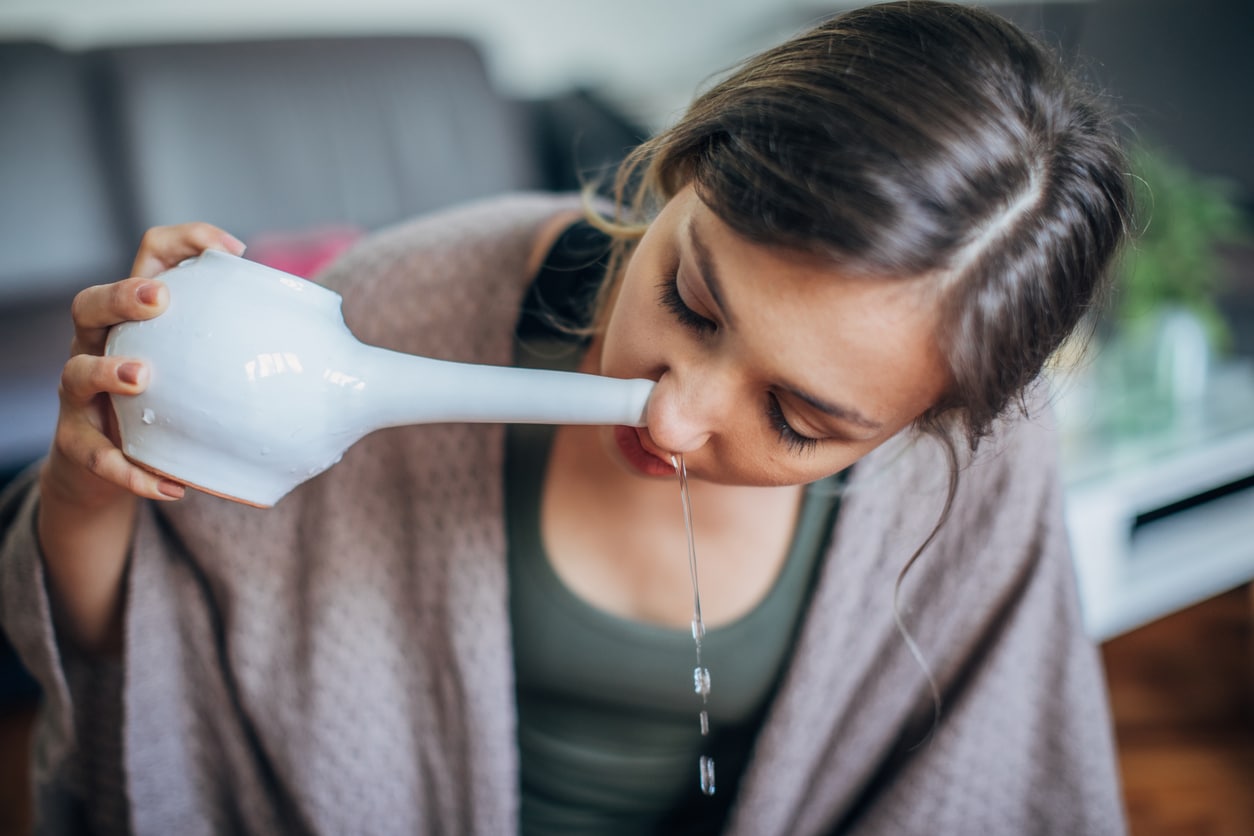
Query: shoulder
(1014,465)
(568,271)
(467,264)
(500,231)
(1003,535)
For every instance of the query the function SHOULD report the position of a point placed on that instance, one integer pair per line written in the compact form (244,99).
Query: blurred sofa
(289,144)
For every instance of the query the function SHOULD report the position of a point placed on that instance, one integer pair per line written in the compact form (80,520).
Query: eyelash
(795,441)
(671,300)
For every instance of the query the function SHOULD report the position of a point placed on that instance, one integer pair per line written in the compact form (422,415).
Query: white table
(1161,515)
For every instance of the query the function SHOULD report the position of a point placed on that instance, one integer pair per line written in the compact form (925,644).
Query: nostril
(674,425)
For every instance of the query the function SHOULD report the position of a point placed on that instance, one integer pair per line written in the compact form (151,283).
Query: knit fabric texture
(342,663)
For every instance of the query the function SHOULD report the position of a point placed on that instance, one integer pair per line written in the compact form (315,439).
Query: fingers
(85,438)
(79,442)
(162,247)
(82,440)
(85,376)
(96,309)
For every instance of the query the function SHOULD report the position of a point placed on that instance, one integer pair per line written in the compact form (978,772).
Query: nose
(685,411)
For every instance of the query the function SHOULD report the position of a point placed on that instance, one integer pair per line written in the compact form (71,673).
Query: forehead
(783,281)
(798,315)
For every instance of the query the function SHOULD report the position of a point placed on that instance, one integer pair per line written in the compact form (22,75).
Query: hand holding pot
(85,465)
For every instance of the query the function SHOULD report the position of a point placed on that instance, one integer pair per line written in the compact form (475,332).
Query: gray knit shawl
(342,662)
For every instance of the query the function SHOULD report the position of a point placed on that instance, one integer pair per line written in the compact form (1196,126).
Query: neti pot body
(257,384)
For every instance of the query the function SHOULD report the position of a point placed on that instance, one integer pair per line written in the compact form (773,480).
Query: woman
(848,261)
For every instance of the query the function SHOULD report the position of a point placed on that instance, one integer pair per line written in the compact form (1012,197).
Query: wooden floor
(15,725)
(1182,691)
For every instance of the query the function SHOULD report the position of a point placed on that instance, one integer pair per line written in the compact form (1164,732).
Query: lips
(632,449)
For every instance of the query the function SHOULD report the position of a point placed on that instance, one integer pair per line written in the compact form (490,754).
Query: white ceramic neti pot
(249,400)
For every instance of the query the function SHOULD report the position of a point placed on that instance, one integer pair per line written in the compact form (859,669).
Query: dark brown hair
(915,139)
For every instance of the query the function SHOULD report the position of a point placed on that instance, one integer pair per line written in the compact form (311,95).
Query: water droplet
(148,416)
(701,681)
(700,674)
(707,774)
(265,451)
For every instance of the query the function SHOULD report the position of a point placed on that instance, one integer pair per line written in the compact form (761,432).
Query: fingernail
(236,246)
(148,292)
(171,489)
(130,372)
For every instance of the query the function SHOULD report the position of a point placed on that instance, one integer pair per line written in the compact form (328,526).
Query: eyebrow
(705,266)
(835,410)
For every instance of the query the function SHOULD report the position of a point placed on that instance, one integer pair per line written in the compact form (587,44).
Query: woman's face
(772,368)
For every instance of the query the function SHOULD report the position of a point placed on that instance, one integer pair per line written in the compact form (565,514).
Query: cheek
(636,331)
(760,464)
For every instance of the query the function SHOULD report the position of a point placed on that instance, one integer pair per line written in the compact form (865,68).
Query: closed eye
(795,441)
(668,296)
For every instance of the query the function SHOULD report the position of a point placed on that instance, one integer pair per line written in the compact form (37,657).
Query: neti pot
(247,401)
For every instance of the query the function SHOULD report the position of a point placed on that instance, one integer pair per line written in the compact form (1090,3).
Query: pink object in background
(302,253)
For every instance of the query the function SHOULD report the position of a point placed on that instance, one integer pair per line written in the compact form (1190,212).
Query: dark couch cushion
(58,228)
(269,136)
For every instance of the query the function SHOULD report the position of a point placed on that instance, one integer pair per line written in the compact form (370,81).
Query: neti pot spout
(403,389)
(248,399)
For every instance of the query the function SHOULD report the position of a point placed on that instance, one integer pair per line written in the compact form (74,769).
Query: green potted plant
(1174,263)
(1168,324)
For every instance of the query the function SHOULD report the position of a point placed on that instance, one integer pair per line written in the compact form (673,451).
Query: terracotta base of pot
(193,485)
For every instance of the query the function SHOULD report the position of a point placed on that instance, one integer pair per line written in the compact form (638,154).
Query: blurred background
(301,125)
